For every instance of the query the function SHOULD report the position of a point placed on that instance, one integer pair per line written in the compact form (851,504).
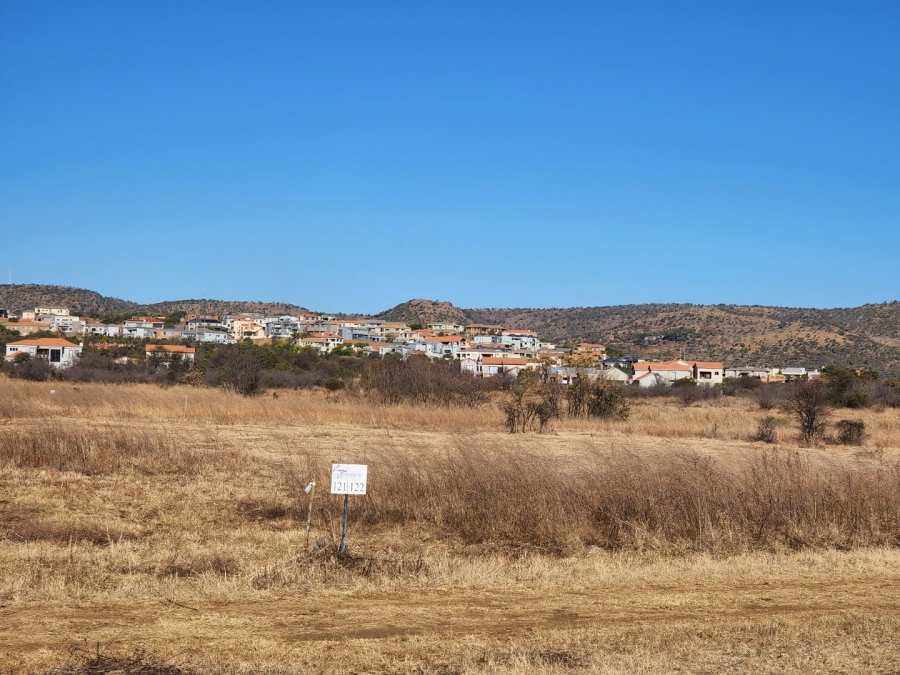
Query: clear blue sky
(350,156)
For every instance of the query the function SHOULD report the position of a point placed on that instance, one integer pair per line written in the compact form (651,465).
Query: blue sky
(350,156)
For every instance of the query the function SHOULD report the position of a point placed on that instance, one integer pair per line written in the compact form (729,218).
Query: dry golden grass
(128,522)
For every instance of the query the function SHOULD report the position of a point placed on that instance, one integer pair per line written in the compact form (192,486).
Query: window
(55,355)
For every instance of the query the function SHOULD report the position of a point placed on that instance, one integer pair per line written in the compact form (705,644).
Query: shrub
(333,384)
(766,430)
(809,403)
(851,432)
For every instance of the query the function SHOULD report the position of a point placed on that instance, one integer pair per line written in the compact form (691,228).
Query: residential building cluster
(482,349)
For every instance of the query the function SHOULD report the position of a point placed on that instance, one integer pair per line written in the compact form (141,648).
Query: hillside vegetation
(867,336)
(20,297)
(425,312)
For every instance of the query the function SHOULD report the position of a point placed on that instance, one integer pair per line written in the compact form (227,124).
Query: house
(25,327)
(748,371)
(65,323)
(596,350)
(651,379)
(97,328)
(194,322)
(792,374)
(502,365)
(446,328)
(208,335)
(475,329)
(247,328)
(59,352)
(324,342)
(142,326)
(281,326)
(166,353)
(521,339)
(614,375)
(565,375)
(45,313)
(447,345)
(708,373)
(671,371)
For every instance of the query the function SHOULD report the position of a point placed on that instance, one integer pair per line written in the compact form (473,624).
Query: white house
(58,352)
(708,373)
(521,339)
(110,330)
(65,323)
(650,379)
(748,371)
(668,370)
(444,346)
(166,353)
(502,365)
(208,335)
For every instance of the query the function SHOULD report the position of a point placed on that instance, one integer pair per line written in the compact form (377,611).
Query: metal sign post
(348,479)
(311,491)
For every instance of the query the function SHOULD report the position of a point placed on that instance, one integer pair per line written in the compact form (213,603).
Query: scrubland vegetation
(164,527)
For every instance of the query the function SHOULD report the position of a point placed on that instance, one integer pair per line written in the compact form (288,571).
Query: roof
(504,360)
(446,338)
(708,364)
(662,365)
(180,349)
(45,342)
(25,322)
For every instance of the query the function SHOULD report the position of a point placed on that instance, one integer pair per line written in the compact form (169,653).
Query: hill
(20,297)
(425,312)
(867,336)
(221,307)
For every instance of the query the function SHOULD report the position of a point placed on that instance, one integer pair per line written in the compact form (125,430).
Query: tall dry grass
(496,499)
(726,418)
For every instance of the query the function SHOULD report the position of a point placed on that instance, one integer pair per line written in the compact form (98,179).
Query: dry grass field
(150,530)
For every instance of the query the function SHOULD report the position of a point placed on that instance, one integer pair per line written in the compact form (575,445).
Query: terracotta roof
(662,365)
(25,322)
(181,349)
(504,360)
(45,342)
(707,364)
(448,338)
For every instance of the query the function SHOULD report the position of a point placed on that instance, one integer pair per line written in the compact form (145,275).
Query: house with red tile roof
(58,352)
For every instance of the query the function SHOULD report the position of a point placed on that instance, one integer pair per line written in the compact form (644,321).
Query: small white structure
(58,352)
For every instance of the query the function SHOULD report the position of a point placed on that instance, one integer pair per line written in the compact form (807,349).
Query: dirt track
(503,613)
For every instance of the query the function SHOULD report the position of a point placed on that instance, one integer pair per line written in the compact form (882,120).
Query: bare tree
(809,403)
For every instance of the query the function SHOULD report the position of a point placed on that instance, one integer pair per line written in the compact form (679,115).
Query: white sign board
(349,479)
